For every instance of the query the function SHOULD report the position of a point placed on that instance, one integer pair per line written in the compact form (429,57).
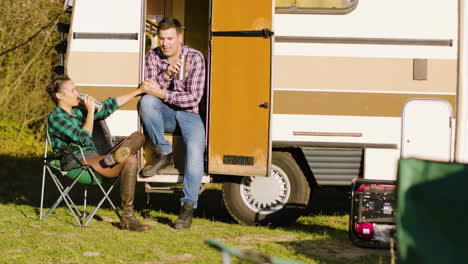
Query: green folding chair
(83,175)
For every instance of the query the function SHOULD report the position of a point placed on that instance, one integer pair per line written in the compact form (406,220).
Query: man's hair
(55,86)
(170,22)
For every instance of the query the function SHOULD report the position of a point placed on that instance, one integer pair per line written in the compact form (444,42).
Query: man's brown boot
(127,194)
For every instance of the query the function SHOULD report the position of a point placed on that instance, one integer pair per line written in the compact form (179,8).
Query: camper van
(299,93)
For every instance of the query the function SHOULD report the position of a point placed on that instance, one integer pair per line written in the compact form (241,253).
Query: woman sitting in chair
(71,123)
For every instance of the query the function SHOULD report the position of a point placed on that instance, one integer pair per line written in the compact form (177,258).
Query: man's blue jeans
(159,118)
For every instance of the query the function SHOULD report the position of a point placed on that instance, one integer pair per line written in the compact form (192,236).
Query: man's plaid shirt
(184,95)
(65,128)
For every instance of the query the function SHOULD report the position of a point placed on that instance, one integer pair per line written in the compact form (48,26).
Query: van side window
(315,6)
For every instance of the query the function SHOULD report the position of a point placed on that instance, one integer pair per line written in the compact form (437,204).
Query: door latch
(264,105)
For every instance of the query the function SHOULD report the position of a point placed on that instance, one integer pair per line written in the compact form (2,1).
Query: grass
(320,237)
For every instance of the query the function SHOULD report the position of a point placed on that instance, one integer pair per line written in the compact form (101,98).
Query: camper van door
(240,107)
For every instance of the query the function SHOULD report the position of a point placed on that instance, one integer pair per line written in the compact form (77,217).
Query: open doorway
(194,17)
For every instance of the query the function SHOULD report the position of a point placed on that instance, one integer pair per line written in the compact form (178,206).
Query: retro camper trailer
(299,93)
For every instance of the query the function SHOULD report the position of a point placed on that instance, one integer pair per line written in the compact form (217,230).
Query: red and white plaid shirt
(184,94)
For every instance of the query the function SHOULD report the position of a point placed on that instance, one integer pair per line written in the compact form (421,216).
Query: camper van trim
(349,91)
(374,41)
(326,134)
(87,35)
(277,144)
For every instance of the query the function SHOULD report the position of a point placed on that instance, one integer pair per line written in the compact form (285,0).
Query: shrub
(17,141)
(25,72)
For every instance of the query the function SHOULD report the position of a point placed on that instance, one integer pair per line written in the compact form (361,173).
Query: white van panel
(123,122)
(381,164)
(375,130)
(392,20)
(415,19)
(106,16)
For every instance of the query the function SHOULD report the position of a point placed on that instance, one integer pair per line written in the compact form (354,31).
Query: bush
(25,72)
(17,141)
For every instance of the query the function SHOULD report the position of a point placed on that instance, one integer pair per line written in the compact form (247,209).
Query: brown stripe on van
(101,93)
(104,68)
(346,103)
(363,74)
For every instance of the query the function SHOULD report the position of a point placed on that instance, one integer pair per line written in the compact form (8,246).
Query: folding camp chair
(84,175)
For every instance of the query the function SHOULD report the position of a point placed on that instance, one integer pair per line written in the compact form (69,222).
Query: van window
(315,6)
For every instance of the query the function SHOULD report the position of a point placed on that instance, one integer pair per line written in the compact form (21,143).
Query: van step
(157,189)
(171,171)
(168,189)
(170,178)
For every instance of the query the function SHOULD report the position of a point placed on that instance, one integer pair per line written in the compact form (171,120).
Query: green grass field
(319,237)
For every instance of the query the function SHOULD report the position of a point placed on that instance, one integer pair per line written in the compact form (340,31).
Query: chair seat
(86,178)
(56,164)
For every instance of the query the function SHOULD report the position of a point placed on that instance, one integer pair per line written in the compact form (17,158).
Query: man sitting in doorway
(177,74)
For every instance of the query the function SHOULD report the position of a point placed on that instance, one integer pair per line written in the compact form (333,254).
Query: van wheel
(277,200)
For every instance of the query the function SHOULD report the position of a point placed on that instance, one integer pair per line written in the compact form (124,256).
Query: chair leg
(84,202)
(64,196)
(42,191)
(61,190)
(90,216)
(102,189)
(106,197)
(67,197)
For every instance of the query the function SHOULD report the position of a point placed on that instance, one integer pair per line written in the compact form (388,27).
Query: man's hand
(173,68)
(155,90)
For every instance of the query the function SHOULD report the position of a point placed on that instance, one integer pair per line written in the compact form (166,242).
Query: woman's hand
(90,103)
(145,86)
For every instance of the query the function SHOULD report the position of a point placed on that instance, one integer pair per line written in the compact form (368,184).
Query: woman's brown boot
(129,146)
(127,194)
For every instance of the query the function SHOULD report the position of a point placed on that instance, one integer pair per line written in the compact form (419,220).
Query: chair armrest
(81,151)
(53,157)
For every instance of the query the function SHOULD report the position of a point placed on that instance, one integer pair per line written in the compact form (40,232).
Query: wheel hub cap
(266,195)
